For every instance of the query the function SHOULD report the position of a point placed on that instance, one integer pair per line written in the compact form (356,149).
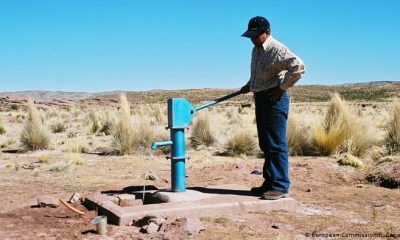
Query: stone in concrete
(127,200)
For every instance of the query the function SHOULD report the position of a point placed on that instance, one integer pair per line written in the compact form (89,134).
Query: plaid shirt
(274,65)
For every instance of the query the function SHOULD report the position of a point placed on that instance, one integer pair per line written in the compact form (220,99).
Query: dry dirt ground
(332,199)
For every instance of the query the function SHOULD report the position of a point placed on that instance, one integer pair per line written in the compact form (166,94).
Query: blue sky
(132,45)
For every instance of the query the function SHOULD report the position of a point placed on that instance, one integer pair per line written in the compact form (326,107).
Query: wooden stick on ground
(63,202)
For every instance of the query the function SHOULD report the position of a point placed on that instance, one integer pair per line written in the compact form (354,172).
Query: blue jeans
(271,117)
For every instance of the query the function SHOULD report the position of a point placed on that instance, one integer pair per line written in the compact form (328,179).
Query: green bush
(2,129)
(14,106)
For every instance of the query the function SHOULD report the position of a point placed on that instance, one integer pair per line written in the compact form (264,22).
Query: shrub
(34,135)
(201,132)
(240,143)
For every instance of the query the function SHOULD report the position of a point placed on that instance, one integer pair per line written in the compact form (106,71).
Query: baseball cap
(257,26)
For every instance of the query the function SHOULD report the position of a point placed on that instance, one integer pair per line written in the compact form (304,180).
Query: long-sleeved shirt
(274,65)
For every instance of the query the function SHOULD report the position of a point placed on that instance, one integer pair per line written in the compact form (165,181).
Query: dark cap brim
(252,34)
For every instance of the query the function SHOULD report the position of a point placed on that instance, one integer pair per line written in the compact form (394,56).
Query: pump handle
(218,100)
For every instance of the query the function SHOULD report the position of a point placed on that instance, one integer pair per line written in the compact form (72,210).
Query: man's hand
(245,89)
(277,93)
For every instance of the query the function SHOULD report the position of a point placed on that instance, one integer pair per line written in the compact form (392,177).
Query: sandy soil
(333,199)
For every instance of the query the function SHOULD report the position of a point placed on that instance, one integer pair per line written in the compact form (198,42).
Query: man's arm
(295,68)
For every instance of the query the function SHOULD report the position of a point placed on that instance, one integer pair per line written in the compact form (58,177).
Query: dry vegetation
(124,137)
(392,138)
(34,136)
(201,131)
(337,128)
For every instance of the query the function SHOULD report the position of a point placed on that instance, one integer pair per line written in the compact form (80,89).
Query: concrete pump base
(124,207)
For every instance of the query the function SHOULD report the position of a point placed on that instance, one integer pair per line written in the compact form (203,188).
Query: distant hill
(368,83)
(363,92)
(370,91)
(47,95)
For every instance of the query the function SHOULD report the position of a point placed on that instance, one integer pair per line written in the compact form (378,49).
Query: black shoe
(259,190)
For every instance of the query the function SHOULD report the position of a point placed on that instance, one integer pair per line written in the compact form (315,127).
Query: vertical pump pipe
(180,113)
(178,173)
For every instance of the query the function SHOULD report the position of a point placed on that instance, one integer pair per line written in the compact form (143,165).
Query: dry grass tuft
(72,132)
(332,132)
(144,136)
(2,129)
(124,138)
(350,160)
(297,136)
(342,131)
(240,143)
(201,132)
(58,126)
(93,122)
(76,147)
(6,142)
(109,122)
(59,167)
(377,152)
(34,135)
(76,159)
(392,139)
(51,113)
(44,158)
(159,116)
(233,116)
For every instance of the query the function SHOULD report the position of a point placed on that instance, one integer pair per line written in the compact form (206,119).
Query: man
(274,69)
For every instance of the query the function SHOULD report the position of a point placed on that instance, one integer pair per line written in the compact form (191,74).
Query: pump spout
(156,145)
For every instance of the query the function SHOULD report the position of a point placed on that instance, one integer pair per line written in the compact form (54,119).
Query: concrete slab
(166,196)
(210,201)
